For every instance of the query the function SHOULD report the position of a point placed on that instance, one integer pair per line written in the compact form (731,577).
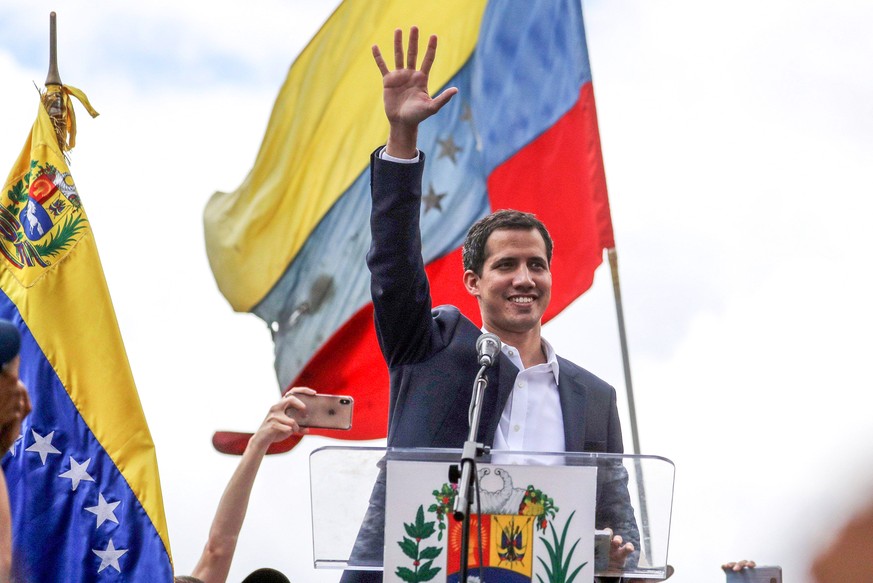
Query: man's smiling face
(516,284)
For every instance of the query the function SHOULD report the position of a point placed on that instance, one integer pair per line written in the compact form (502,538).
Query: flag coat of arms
(289,245)
(83,479)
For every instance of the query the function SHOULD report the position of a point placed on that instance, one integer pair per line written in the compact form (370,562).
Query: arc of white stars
(109,557)
(104,510)
(43,446)
(77,472)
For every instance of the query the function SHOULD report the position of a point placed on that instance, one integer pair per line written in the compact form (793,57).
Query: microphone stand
(472,450)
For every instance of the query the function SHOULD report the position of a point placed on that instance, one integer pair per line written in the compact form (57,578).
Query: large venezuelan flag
(83,479)
(290,243)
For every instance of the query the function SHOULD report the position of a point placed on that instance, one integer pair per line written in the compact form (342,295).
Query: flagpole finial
(53,78)
(53,98)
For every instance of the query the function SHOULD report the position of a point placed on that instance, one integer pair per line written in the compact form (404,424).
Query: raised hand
(277,425)
(739,565)
(407,101)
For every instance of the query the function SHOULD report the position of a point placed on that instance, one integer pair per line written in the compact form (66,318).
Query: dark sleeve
(368,550)
(614,444)
(398,283)
(614,509)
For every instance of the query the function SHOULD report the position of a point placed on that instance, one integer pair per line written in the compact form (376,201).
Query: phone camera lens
(344,401)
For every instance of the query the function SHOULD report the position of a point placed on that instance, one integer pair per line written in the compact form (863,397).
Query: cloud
(158,44)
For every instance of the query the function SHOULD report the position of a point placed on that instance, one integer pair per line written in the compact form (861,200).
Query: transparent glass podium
(636,488)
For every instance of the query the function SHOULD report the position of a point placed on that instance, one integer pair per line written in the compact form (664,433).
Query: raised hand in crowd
(214,563)
(739,565)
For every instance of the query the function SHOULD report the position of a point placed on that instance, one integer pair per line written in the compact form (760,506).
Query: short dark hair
(473,252)
(266,575)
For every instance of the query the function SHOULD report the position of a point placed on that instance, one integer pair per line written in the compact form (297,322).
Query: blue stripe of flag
(54,536)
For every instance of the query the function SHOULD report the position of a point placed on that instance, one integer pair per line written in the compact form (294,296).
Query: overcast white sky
(738,142)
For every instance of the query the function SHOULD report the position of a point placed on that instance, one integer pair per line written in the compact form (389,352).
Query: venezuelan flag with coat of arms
(290,243)
(83,479)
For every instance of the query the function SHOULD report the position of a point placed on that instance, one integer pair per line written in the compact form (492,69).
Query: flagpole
(54,101)
(53,78)
(625,359)
(632,409)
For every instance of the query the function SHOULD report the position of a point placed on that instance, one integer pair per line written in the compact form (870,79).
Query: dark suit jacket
(431,353)
(432,360)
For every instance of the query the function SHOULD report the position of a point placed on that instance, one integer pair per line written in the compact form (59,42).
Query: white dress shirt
(532,419)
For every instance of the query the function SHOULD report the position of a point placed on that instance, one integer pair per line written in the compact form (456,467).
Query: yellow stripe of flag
(326,121)
(69,312)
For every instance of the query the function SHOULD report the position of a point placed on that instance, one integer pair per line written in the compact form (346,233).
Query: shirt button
(511,353)
(520,384)
(516,428)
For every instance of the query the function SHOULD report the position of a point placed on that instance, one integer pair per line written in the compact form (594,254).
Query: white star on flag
(109,557)
(77,472)
(43,445)
(104,510)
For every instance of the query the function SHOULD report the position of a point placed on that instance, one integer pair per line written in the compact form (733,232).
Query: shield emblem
(507,548)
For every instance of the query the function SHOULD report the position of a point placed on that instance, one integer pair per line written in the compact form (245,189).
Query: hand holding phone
(323,411)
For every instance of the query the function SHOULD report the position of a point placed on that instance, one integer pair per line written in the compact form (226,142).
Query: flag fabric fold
(521,133)
(83,479)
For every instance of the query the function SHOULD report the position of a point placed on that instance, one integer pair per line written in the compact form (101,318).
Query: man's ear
(471,282)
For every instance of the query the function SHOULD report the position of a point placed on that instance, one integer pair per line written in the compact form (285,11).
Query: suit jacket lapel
(571,392)
(500,381)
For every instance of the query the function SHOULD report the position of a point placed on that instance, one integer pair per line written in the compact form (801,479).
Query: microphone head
(487,347)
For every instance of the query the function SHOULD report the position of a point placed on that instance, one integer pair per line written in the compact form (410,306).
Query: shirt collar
(511,352)
(551,358)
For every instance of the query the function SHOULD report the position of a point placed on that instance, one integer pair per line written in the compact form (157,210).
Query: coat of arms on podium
(529,524)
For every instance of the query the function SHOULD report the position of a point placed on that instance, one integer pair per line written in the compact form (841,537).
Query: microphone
(487,347)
